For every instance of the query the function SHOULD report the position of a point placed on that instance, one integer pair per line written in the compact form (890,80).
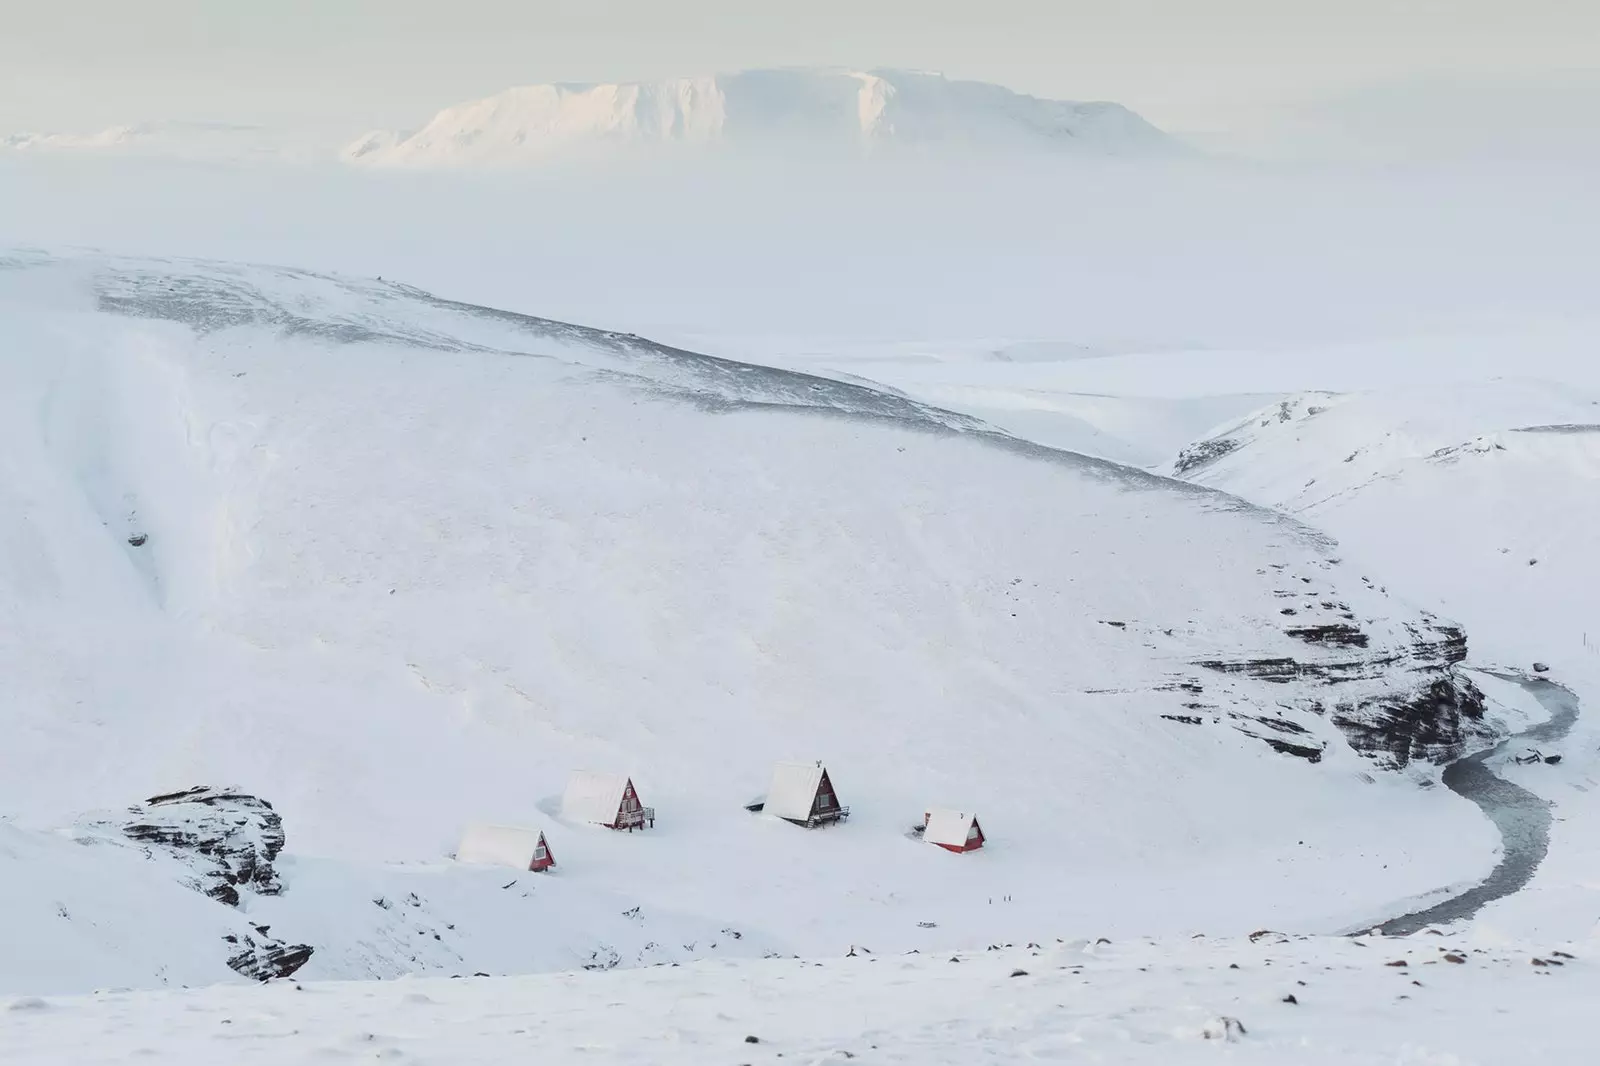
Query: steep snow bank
(802,111)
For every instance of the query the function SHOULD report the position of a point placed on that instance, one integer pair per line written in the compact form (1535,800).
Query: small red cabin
(605,799)
(502,845)
(803,793)
(952,830)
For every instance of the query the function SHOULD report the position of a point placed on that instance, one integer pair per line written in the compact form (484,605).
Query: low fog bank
(1195,253)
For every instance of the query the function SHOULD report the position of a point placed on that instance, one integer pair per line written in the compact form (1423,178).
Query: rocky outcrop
(227,837)
(1405,703)
(263,958)
(1436,723)
(225,841)
(1203,453)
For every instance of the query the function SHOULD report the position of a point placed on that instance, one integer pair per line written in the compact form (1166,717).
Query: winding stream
(1522,818)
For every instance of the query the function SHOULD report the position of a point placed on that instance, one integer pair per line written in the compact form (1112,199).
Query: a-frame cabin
(605,799)
(503,845)
(803,793)
(952,830)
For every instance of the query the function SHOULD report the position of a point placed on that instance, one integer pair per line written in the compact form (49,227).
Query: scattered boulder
(1541,668)
(265,959)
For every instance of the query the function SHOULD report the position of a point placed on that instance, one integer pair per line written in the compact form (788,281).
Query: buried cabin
(803,793)
(605,799)
(504,845)
(952,830)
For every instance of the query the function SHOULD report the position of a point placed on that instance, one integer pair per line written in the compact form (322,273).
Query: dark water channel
(1522,818)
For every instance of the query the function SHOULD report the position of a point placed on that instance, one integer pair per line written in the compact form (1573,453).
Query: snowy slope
(802,111)
(1485,496)
(403,563)
(1272,1001)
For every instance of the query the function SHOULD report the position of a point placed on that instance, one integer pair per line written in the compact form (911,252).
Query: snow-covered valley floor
(1426,1000)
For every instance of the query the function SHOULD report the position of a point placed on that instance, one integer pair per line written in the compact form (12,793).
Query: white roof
(794,789)
(593,796)
(948,827)
(498,845)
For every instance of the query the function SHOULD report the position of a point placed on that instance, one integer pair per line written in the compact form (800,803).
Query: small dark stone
(1291,999)
(137,540)
(752,1040)
(1019,973)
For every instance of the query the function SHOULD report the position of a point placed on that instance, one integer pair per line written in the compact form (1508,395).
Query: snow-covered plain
(1273,1000)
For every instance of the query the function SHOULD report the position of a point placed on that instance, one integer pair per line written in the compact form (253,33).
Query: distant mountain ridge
(802,111)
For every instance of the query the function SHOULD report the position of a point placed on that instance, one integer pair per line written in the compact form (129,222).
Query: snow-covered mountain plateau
(784,111)
(387,565)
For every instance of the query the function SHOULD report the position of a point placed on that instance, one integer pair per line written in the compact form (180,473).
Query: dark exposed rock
(1186,719)
(264,959)
(1423,710)
(1279,671)
(1346,636)
(1435,724)
(1203,452)
(1282,725)
(226,837)
(221,841)
(138,540)
(1300,751)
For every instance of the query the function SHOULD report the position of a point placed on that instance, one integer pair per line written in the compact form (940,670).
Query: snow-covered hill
(192,142)
(397,564)
(790,111)
(1499,480)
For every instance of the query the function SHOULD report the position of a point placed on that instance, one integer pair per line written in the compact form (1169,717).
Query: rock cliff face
(227,837)
(225,841)
(1397,697)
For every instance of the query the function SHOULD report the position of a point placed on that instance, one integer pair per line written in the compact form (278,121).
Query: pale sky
(1189,65)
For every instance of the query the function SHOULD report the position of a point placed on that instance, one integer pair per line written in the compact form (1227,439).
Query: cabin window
(972,832)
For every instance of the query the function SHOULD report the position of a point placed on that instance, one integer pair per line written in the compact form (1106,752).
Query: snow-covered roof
(794,789)
(948,827)
(498,845)
(593,796)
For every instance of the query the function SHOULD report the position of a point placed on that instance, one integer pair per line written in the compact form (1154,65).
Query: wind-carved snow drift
(803,111)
